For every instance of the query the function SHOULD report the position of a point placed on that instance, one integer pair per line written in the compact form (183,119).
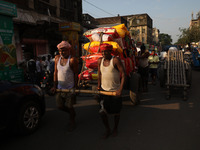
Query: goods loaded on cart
(117,36)
(176,73)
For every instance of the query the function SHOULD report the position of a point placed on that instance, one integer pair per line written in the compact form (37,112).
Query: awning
(31,17)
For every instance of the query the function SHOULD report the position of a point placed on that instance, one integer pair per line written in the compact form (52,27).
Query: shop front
(8,58)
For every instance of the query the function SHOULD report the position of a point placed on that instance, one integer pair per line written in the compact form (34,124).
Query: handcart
(175,73)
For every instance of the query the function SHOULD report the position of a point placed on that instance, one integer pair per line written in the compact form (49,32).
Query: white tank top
(65,75)
(110,77)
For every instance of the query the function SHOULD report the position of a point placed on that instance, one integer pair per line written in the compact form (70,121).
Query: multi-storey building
(195,22)
(155,36)
(140,27)
(41,24)
(111,21)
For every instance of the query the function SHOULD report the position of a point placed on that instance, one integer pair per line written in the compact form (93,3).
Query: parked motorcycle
(47,82)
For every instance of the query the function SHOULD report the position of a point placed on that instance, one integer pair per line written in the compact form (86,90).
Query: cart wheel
(168,97)
(189,75)
(185,97)
(162,76)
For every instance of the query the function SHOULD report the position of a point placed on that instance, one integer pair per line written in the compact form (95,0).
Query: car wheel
(29,117)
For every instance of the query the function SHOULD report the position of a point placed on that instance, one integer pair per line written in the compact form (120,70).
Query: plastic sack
(96,37)
(92,60)
(105,37)
(88,75)
(121,30)
(85,75)
(104,30)
(89,46)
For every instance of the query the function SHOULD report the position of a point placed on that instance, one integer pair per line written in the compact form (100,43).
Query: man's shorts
(110,104)
(64,99)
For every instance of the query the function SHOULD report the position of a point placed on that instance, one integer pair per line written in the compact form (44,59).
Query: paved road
(155,124)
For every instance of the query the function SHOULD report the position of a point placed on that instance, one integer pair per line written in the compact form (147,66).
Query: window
(47,1)
(66,4)
(143,30)
(143,40)
(88,22)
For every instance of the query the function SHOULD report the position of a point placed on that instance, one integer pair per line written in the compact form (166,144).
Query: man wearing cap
(65,77)
(109,70)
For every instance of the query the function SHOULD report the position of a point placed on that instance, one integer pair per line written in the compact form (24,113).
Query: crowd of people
(36,67)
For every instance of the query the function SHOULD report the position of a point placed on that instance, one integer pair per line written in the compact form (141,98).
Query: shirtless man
(109,70)
(65,77)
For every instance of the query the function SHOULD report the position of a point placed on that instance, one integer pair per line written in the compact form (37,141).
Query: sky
(167,15)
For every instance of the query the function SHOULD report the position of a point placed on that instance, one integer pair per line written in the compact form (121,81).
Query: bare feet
(114,133)
(72,127)
(106,134)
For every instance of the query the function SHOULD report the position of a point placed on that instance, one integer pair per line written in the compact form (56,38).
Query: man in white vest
(109,70)
(65,77)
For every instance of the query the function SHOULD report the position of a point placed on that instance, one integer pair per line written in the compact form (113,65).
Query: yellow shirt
(153,59)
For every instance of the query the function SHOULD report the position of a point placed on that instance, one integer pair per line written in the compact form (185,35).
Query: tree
(189,35)
(165,39)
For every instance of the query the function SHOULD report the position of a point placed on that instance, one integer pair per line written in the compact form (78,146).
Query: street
(154,124)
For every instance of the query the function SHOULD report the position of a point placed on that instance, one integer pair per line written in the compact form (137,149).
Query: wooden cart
(175,73)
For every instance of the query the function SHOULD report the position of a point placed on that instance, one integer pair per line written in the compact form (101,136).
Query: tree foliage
(189,35)
(165,39)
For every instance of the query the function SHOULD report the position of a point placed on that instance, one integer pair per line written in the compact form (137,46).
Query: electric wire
(91,13)
(99,8)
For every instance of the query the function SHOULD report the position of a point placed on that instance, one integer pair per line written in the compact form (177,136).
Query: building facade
(140,27)
(36,26)
(195,22)
(111,21)
(155,36)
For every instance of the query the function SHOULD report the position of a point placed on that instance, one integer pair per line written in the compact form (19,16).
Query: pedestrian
(38,71)
(31,65)
(65,77)
(109,70)
(48,61)
(143,66)
(52,62)
(43,65)
(153,66)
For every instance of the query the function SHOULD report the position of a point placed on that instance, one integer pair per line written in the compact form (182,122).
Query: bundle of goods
(88,75)
(91,60)
(117,36)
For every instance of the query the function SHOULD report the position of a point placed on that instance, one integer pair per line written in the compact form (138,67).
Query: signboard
(66,26)
(7,48)
(6,30)
(8,9)
(12,74)
(8,58)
